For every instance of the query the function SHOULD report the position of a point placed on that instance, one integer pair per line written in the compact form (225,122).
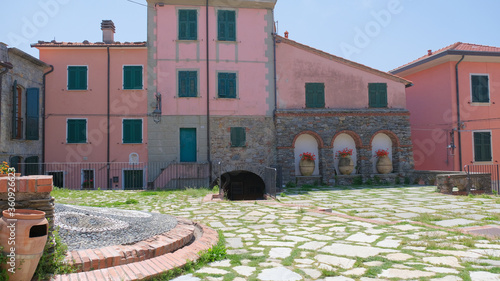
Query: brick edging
(139,270)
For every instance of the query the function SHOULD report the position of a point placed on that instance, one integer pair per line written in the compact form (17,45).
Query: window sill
(219,98)
(480,103)
(188,97)
(238,146)
(187,41)
(140,89)
(227,42)
(484,162)
(78,143)
(132,143)
(79,90)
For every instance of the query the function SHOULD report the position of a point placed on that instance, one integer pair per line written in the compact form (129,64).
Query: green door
(133,179)
(188,144)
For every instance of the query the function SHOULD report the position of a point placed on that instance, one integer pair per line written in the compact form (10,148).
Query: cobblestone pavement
(370,235)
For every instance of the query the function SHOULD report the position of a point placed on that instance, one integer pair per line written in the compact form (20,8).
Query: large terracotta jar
(384,165)
(346,165)
(306,167)
(29,230)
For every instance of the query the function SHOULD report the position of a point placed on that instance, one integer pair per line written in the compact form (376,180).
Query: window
(188,25)
(132,77)
(315,95)
(377,95)
(188,84)
(226,25)
(480,88)
(32,113)
(132,131)
(15,162)
(32,166)
(238,137)
(77,78)
(133,179)
(77,131)
(482,147)
(88,179)
(227,85)
(17,111)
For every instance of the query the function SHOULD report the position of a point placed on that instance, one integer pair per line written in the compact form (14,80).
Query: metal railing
(124,175)
(492,169)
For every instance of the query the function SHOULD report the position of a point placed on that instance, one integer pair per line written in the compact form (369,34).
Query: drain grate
(487,231)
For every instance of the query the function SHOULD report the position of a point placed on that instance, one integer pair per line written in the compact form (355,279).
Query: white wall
(306,143)
(342,141)
(380,141)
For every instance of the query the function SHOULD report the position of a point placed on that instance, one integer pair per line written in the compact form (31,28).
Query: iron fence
(492,169)
(122,175)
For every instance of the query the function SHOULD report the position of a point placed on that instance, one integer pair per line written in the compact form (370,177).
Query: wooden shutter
(32,166)
(132,77)
(315,95)
(482,146)
(193,25)
(77,77)
(183,25)
(14,109)
(231,85)
(223,85)
(77,131)
(32,113)
(193,83)
(221,25)
(238,137)
(226,25)
(480,89)
(132,131)
(377,95)
(183,83)
(188,25)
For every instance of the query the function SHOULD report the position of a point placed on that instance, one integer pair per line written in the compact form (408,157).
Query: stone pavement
(370,234)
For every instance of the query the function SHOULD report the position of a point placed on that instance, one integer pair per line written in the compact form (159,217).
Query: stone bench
(466,183)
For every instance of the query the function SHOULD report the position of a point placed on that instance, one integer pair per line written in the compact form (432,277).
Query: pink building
(96,112)
(454,116)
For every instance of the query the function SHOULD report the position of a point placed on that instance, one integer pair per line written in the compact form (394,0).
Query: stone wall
(259,151)
(28,72)
(362,125)
(32,192)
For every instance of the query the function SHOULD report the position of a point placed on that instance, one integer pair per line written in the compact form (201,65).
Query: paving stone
(304,261)
(442,270)
(483,276)
(354,251)
(406,227)
(405,274)
(278,274)
(355,271)
(223,263)
(419,210)
(373,263)
(361,237)
(460,254)
(295,238)
(336,261)
(211,270)
(454,222)
(217,224)
(389,243)
(244,270)
(399,257)
(237,252)
(320,237)
(280,253)
(406,215)
(188,277)
(448,278)
(234,243)
(313,245)
(449,261)
(487,252)
(313,273)
(338,278)
(277,244)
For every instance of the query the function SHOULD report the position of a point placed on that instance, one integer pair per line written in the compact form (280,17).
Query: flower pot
(306,167)
(30,235)
(346,165)
(384,165)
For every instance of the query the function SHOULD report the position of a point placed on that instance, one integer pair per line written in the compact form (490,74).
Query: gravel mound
(82,227)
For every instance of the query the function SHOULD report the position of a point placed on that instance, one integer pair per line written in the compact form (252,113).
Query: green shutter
(132,77)
(227,85)
(188,25)
(226,25)
(482,146)
(480,89)
(222,85)
(14,109)
(77,78)
(32,115)
(188,84)
(238,137)
(77,131)
(315,95)
(132,131)
(377,95)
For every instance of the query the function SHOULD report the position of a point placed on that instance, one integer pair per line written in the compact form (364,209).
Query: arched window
(306,143)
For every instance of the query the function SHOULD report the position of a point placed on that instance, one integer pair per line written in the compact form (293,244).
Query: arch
(340,142)
(384,142)
(353,135)
(242,185)
(133,158)
(318,138)
(394,138)
(306,143)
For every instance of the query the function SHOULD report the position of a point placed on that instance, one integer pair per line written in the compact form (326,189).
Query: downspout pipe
(7,66)
(209,160)
(107,123)
(44,98)
(459,121)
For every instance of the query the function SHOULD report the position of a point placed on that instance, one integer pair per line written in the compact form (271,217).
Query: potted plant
(346,165)
(384,163)
(88,184)
(306,164)
(4,169)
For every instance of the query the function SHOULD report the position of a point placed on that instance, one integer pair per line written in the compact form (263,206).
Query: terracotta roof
(86,43)
(345,61)
(455,48)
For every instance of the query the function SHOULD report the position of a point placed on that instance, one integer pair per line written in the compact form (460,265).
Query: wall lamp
(157,112)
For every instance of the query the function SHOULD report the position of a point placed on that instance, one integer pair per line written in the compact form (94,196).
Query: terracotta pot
(31,230)
(306,167)
(384,165)
(346,165)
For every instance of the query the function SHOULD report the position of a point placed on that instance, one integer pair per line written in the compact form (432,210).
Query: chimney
(286,34)
(3,52)
(108,31)
(429,52)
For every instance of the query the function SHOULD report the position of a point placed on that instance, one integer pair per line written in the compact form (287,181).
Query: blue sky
(382,34)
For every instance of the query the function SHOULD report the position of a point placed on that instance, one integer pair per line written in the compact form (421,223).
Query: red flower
(344,153)
(382,152)
(308,156)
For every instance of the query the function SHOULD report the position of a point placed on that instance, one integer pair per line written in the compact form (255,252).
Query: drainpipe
(208,99)
(459,121)
(43,115)
(275,90)
(108,120)
(7,66)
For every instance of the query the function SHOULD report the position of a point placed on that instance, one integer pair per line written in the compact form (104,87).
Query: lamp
(157,112)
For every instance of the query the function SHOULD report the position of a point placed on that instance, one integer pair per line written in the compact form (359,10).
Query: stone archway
(242,185)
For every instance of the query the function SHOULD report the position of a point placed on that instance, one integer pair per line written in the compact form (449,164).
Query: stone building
(21,100)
